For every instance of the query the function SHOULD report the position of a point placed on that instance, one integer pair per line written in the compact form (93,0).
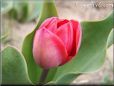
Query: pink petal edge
(48,49)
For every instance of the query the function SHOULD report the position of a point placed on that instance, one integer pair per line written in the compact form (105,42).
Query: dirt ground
(82,10)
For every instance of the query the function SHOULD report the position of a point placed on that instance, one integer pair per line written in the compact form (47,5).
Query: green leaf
(6,6)
(3,37)
(26,10)
(34,70)
(67,79)
(48,10)
(110,38)
(92,52)
(14,68)
(21,9)
(34,8)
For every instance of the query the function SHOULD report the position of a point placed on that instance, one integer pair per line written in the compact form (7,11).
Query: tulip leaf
(6,6)
(34,8)
(14,68)
(20,10)
(91,55)
(3,37)
(67,79)
(48,10)
(111,38)
(25,10)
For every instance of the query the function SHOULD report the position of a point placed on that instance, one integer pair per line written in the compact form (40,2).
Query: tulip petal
(50,24)
(65,33)
(62,22)
(77,37)
(46,22)
(48,50)
(53,25)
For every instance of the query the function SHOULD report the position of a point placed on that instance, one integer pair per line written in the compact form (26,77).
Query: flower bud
(56,42)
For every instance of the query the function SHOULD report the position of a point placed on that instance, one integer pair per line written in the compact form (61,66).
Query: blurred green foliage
(106,80)
(21,10)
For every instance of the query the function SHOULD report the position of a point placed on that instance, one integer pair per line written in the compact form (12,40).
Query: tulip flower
(56,42)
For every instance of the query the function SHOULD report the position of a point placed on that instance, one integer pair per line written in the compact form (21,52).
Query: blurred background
(19,18)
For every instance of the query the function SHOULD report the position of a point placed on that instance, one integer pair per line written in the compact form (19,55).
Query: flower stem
(43,76)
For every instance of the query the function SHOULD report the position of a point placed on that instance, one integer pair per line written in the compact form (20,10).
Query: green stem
(43,76)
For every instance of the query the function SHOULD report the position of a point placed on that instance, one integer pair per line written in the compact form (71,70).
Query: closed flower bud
(56,42)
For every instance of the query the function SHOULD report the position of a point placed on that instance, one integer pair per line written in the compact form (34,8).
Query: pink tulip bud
(56,42)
